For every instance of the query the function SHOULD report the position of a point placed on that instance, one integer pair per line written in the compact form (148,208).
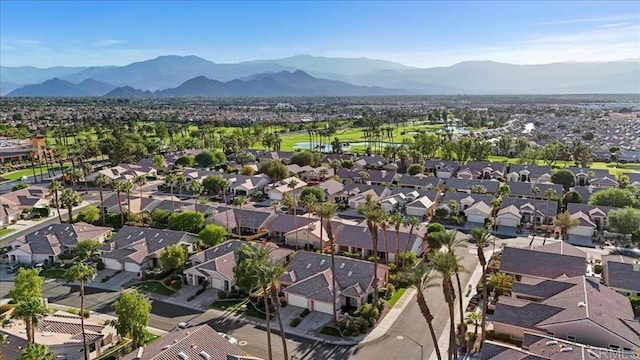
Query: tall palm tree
(289,199)
(384,225)
(272,272)
(140,181)
(69,198)
(481,236)
(326,211)
(418,278)
(535,191)
(374,216)
(397,220)
(197,189)
(180,181)
(100,181)
(127,187)
(56,187)
(451,243)
(548,195)
(258,257)
(81,272)
(309,202)
(118,187)
(445,264)
(87,169)
(29,311)
(474,318)
(36,352)
(412,223)
(240,201)
(170,181)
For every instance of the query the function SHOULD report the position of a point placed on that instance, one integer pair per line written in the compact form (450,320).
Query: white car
(229,338)
(183,325)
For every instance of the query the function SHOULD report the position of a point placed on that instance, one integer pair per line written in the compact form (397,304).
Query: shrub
(191,297)
(222,294)
(304,313)
(200,291)
(597,269)
(283,303)
(100,265)
(176,284)
(105,279)
(295,322)
(390,290)
(435,227)
(167,281)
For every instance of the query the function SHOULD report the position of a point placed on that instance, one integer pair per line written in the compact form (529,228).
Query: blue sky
(80,33)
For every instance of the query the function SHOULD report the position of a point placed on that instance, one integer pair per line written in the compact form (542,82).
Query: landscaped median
(53,273)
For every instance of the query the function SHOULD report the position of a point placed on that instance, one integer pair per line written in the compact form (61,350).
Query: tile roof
(543,264)
(194,343)
(621,272)
(137,243)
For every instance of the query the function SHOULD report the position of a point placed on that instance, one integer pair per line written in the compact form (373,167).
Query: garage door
(322,307)
(297,300)
(131,267)
(112,264)
(508,222)
(217,284)
(475,219)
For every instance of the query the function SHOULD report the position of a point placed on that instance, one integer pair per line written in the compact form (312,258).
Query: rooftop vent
(552,342)
(141,233)
(582,304)
(322,262)
(49,228)
(205,355)
(350,273)
(593,354)
(36,233)
(139,353)
(182,355)
(128,237)
(566,349)
(161,240)
(342,266)
(166,347)
(308,265)
(156,235)
(47,334)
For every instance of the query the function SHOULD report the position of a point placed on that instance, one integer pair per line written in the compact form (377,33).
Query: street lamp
(412,339)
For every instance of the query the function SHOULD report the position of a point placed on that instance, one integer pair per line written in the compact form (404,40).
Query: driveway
(117,282)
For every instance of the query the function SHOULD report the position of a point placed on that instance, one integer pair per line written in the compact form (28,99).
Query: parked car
(183,325)
(13,268)
(229,338)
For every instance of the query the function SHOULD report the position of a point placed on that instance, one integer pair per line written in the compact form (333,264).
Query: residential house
(278,189)
(252,220)
(28,198)
(215,265)
(331,188)
(369,162)
(419,182)
(134,203)
(399,198)
(585,192)
(475,207)
(482,170)
(550,261)
(622,274)
(61,332)
(379,177)
(242,185)
(319,173)
(136,249)
(281,224)
(423,206)
(199,342)
(604,183)
(533,211)
(9,212)
(264,156)
(358,239)
(307,283)
(596,214)
(472,185)
(526,190)
(355,193)
(634,179)
(441,168)
(584,176)
(47,244)
(577,308)
(529,174)
(124,172)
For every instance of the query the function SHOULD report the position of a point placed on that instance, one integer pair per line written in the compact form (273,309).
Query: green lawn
(396,296)
(6,231)
(53,273)
(331,331)
(253,312)
(15,175)
(154,287)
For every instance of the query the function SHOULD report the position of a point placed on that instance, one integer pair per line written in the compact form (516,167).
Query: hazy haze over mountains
(194,76)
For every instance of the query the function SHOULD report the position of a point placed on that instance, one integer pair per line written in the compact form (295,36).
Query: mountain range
(305,75)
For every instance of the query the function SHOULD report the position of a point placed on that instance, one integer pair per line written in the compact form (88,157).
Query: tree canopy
(572,197)
(415,169)
(302,158)
(212,235)
(564,177)
(314,191)
(206,159)
(90,214)
(214,184)
(275,170)
(189,221)
(614,197)
(624,221)
(27,285)
(173,257)
(186,160)
(133,311)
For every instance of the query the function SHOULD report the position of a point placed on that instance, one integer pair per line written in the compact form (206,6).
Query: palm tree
(118,187)
(180,181)
(272,272)
(309,202)
(290,200)
(397,220)
(481,236)
(500,283)
(69,199)
(451,243)
(259,256)
(383,225)
(418,278)
(445,264)
(56,187)
(474,318)
(140,181)
(548,194)
(127,187)
(327,211)
(565,222)
(170,181)
(36,352)
(197,189)
(29,311)
(535,191)
(374,216)
(81,272)
(240,201)
(87,169)
(412,223)
(100,181)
